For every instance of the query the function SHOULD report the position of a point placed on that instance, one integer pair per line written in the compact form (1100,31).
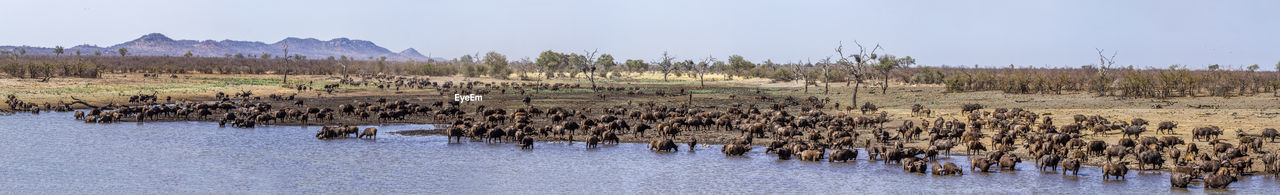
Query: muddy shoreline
(895,104)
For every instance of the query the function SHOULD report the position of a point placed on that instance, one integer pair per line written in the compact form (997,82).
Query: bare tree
(1104,64)
(798,70)
(588,66)
(285,81)
(666,65)
(524,65)
(826,74)
(703,68)
(1104,61)
(857,67)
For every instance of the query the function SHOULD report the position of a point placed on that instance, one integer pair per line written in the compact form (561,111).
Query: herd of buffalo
(786,127)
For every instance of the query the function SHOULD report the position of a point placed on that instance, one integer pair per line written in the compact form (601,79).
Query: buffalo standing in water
(1179,180)
(843,155)
(735,149)
(1116,170)
(371,132)
(784,153)
(915,165)
(980,163)
(1050,162)
(946,169)
(526,143)
(1071,165)
(811,155)
(1218,181)
(665,145)
(593,142)
(1009,162)
(456,132)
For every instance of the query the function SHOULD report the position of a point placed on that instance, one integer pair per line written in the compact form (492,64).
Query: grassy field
(113,87)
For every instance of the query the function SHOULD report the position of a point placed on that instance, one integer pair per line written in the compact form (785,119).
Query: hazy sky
(1154,33)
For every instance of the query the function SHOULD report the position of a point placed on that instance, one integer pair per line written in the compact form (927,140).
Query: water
(52,154)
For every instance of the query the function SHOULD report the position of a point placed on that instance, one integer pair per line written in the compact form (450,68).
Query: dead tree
(857,67)
(702,70)
(1104,63)
(826,75)
(589,66)
(799,71)
(666,65)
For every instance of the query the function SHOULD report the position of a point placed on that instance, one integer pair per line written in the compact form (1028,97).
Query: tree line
(854,67)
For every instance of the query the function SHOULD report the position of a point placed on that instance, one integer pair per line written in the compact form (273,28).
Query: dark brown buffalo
(915,165)
(526,143)
(1071,165)
(1218,181)
(456,132)
(811,155)
(1050,162)
(783,153)
(1096,147)
(980,163)
(1179,180)
(735,149)
(609,137)
(1270,133)
(843,155)
(1009,162)
(1152,158)
(593,142)
(1116,151)
(946,169)
(1167,126)
(665,145)
(1116,170)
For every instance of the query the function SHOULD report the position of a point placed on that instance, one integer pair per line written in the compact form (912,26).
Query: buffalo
(783,153)
(1071,165)
(811,155)
(1049,161)
(946,169)
(1179,180)
(1116,170)
(665,145)
(843,155)
(735,149)
(1218,181)
(1009,162)
(1166,126)
(526,143)
(915,165)
(371,132)
(1152,158)
(593,142)
(1270,133)
(980,163)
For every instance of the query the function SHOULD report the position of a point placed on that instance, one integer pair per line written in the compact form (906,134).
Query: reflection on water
(52,154)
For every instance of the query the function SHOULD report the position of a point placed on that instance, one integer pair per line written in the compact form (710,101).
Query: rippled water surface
(52,154)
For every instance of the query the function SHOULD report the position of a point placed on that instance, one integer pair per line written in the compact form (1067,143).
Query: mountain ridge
(157,44)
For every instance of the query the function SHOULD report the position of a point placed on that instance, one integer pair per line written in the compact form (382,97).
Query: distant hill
(156,44)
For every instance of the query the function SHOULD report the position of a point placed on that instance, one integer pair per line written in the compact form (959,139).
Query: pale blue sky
(1154,33)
